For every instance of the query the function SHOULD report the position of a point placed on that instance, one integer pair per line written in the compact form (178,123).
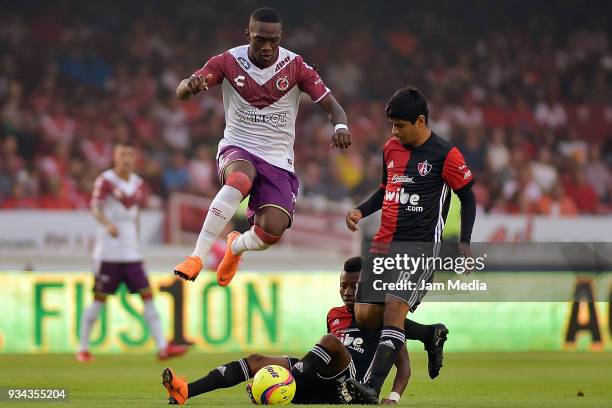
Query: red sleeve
(329,317)
(456,172)
(310,82)
(102,188)
(214,66)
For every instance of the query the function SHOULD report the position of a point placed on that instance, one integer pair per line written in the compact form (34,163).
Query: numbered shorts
(401,272)
(272,186)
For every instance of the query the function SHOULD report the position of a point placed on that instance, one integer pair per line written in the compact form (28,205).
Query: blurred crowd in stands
(526,96)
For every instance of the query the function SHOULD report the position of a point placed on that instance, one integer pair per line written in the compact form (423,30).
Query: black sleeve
(372,204)
(468,212)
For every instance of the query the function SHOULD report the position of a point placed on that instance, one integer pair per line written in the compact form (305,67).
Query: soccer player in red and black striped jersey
(345,352)
(419,169)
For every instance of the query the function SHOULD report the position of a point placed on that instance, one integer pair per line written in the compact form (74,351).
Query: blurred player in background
(419,167)
(345,352)
(261,84)
(116,200)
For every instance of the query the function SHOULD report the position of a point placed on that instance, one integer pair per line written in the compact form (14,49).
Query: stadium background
(526,96)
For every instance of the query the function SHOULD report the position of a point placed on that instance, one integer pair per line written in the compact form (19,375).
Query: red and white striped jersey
(120,201)
(261,105)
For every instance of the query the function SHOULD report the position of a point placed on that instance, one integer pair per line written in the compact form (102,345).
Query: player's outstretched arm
(341,137)
(192,86)
(400,382)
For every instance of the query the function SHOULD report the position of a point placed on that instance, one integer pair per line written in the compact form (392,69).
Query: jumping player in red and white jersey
(116,199)
(262,84)
(419,168)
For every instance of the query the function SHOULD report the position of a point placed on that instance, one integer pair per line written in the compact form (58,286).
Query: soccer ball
(273,385)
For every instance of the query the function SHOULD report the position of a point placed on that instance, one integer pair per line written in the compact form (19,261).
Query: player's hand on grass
(352,218)
(341,139)
(112,230)
(198,83)
(385,401)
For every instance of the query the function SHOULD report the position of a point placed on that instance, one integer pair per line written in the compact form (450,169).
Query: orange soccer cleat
(84,357)
(229,265)
(176,387)
(189,269)
(171,350)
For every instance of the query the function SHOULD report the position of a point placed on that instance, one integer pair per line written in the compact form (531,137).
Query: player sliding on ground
(261,84)
(418,169)
(345,352)
(118,193)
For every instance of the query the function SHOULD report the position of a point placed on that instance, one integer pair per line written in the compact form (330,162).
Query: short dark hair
(407,104)
(266,15)
(352,265)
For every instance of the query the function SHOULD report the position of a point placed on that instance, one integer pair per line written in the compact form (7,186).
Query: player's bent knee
(255,362)
(267,238)
(329,341)
(240,182)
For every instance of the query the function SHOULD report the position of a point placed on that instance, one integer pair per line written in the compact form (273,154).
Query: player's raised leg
(271,205)
(237,178)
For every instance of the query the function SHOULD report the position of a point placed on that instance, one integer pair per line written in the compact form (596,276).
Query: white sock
(221,211)
(249,241)
(88,320)
(152,318)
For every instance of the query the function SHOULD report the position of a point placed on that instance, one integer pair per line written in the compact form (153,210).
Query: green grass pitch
(550,379)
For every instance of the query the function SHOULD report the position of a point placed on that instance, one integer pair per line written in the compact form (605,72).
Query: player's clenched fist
(198,83)
(341,139)
(352,218)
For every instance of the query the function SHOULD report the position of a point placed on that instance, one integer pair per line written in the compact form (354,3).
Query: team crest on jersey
(243,63)
(282,84)
(424,168)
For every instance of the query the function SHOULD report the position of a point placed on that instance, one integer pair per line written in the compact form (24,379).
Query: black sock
(417,331)
(304,370)
(223,376)
(391,340)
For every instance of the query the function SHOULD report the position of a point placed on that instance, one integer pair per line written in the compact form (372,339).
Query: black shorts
(321,390)
(401,272)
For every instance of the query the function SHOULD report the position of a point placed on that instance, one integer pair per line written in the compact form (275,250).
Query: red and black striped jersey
(417,183)
(360,343)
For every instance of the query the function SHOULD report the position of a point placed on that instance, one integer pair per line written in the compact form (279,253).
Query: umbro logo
(390,165)
(388,343)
